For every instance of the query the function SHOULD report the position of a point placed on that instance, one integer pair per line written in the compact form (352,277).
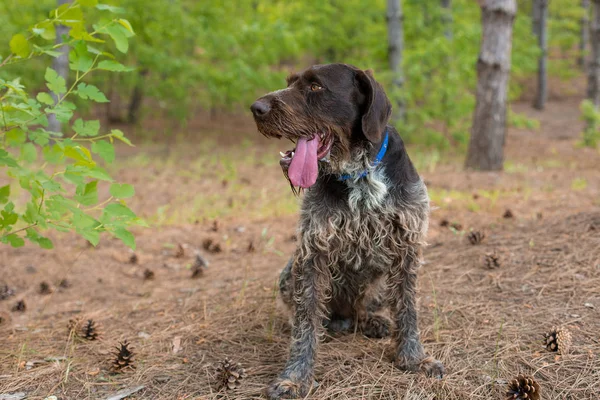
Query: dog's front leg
(311,284)
(409,352)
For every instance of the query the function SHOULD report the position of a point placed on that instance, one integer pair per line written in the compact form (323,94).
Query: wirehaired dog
(363,219)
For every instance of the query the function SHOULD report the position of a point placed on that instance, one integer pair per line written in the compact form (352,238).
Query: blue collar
(375,162)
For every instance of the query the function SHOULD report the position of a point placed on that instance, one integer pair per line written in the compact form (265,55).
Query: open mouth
(301,164)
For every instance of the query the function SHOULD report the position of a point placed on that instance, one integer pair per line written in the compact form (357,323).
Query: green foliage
(54,180)
(591,116)
(216,54)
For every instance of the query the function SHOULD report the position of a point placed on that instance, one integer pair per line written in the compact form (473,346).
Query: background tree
(396,47)
(542,35)
(61,65)
(486,147)
(585,33)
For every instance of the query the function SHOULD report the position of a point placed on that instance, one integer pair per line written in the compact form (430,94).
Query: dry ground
(486,325)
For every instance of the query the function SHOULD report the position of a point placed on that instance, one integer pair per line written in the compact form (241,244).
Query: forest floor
(223,195)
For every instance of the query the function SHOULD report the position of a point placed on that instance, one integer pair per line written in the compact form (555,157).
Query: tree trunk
(447,18)
(585,33)
(593,90)
(535,17)
(486,146)
(396,47)
(137,98)
(542,89)
(61,65)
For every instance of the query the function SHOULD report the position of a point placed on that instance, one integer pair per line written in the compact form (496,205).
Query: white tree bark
(395,49)
(61,65)
(542,34)
(486,146)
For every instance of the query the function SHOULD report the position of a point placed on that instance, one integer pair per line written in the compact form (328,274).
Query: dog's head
(326,110)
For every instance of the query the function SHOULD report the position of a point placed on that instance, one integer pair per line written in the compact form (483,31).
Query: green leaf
(86,128)
(4,194)
(118,36)
(64,111)
(53,154)
(116,210)
(88,3)
(46,30)
(28,152)
(15,137)
(87,195)
(45,98)
(112,9)
(121,136)
(126,25)
(125,236)
(104,150)
(91,92)
(14,240)
(20,46)
(110,65)
(9,217)
(6,159)
(121,191)
(35,237)
(55,83)
(79,57)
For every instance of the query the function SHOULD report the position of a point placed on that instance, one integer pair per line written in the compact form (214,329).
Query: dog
(363,219)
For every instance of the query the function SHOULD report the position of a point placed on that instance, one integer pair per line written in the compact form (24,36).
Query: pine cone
(133,258)
(558,340)
(90,330)
(492,260)
(45,288)
(523,387)
(180,251)
(211,246)
(148,274)
(199,265)
(229,374)
(123,357)
(20,306)
(6,292)
(475,237)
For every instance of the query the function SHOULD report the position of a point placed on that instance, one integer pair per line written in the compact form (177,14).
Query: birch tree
(486,145)
(542,35)
(61,65)
(395,49)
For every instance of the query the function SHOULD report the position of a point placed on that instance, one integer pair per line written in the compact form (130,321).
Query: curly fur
(360,240)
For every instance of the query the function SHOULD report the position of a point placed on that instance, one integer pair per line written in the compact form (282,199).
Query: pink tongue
(304,169)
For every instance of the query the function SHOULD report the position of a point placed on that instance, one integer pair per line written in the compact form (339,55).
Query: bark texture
(542,34)
(61,65)
(585,33)
(486,146)
(593,90)
(395,49)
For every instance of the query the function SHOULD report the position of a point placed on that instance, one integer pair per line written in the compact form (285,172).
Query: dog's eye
(315,87)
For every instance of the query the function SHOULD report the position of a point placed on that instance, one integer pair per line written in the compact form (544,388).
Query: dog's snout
(260,108)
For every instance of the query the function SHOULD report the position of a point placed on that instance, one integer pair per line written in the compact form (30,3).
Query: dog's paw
(427,365)
(376,327)
(285,388)
(432,368)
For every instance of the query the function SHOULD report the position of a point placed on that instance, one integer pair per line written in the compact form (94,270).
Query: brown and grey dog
(363,220)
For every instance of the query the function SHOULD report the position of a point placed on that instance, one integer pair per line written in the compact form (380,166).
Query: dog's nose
(260,108)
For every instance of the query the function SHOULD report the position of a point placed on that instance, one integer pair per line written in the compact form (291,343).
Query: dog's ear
(377,108)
